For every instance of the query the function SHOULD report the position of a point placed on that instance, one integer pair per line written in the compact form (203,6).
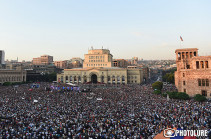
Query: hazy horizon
(64,29)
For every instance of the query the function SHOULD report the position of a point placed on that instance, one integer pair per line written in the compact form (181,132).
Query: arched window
(75,79)
(62,79)
(85,79)
(118,79)
(102,79)
(123,78)
(79,78)
(71,79)
(113,79)
(109,78)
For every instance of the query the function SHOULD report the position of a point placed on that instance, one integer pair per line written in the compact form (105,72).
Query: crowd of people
(106,112)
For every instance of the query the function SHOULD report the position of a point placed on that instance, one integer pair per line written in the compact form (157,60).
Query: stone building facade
(120,63)
(98,68)
(101,75)
(98,58)
(43,60)
(193,74)
(61,64)
(12,75)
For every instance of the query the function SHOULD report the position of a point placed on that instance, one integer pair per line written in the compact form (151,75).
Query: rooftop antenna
(92,47)
(102,47)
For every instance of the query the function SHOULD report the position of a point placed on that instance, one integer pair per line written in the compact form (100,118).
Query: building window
(62,79)
(102,79)
(191,54)
(207,82)
(202,64)
(187,55)
(109,79)
(123,78)
(85,79)
(197,64)
(118,79)
(194,53)
(185,90)
(183,82)
(203,82)
(204,93)
(179,56)
(206,64)
(199,82)
(183,74)
(113,79)
(183,55)
(75,79)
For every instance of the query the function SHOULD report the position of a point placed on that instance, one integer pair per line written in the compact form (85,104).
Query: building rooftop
(186,49)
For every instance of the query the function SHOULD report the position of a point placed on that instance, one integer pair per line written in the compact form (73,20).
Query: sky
(148,29)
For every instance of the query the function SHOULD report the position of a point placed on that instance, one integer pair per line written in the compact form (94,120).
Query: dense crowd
(105,112)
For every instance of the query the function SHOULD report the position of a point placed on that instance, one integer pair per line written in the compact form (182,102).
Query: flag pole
(181,41)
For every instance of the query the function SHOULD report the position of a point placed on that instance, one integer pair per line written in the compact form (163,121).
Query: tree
(157,85)
(199,98)
(52,77)
(157,92)
(7,83)
(169,77)
(172,94)
(182,95)
(164,94)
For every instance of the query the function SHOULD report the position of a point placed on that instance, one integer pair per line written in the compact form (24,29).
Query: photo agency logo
(169,133)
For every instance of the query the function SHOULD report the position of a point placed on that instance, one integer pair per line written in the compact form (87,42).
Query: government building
(193,74)
(7,75)
(98,68)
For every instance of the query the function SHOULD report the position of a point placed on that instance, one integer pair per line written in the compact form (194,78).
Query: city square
(91,69)
(124,111)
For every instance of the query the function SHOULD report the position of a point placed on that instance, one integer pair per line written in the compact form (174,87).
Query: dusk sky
(148,29)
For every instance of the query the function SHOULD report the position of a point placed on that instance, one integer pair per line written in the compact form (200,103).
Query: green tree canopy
(182,95)
(157,85)
(169,77)
(7,83)
(199,98)
(157,92)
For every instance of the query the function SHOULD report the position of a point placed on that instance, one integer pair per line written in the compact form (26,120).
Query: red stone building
(193,74)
